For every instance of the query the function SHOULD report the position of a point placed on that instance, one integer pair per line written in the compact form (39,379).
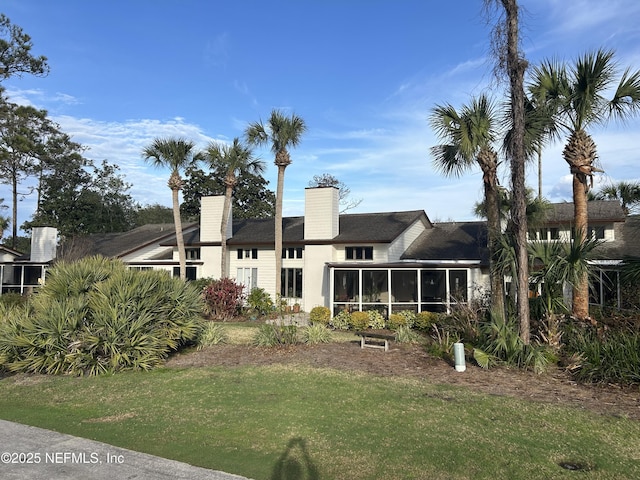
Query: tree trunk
(223,231)
(515,68)
(493,227)
(14,212)
(580,293)
(278,229)
(177,221)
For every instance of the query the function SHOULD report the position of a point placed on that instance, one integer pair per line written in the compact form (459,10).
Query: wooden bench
(375,339)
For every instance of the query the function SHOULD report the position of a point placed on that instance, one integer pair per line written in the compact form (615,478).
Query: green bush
(396,321)
(212,334)
(409,317)
(342,321)
(321,315)
(609,355)
(316,333)
(424,321)
(404,334)
(260,301)
(376,320)
(359,320)
(271,335)
(96,316)
(10,300)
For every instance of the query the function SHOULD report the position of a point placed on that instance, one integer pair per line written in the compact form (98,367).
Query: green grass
(304,423)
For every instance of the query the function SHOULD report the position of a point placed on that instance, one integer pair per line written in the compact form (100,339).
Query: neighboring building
(384,261)
(24,273)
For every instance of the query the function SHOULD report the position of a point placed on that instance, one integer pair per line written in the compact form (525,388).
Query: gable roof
(598,210)
(626,241)
(120,244)
(354,228)
(451,241)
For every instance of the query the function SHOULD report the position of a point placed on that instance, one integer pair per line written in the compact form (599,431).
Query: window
(253,253)
(191,272)
(247,277)
(458,285)
(193,253)
(374,286)
(291,286)
(596,233)
(359,253)
(433,286)
(346,286)
(544,234)
(292,252)
(404,287)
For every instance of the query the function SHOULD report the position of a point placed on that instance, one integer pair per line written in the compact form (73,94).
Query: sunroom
(392,288)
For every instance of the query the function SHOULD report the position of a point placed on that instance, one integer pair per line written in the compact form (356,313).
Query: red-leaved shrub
(223,298)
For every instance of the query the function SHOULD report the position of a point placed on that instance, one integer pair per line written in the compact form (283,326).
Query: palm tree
(576,96)
(234,160)
(281,132)
(175,154)
(627,193)
(470,134)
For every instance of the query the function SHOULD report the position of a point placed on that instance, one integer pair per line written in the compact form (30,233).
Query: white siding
(321,213)
(211,218)
(315,275)
(400,244)
(265,263)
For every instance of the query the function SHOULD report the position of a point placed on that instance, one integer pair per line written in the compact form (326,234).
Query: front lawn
(267,422)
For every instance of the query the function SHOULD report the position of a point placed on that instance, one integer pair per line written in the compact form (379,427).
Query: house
(23,273)
(388,261)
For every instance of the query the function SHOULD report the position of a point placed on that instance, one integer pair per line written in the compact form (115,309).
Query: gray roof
(119,244)
(451,241)
(457,241)
(354,228)
(598,210)
(626,243)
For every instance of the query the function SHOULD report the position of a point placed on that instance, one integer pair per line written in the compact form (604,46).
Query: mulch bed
(555,386)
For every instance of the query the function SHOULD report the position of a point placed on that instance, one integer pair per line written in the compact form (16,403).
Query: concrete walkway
(36,454)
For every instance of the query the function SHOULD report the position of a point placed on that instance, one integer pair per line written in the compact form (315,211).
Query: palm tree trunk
(182,256)
(580,293)
(516,66)
(223,231)
(493,226)
(278,229)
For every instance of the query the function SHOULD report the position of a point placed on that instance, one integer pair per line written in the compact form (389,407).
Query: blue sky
(363,74)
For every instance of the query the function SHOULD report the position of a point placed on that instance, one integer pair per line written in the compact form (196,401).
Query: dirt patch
(554,387)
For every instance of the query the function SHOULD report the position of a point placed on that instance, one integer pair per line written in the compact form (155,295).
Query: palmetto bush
(96,316)
(603,355)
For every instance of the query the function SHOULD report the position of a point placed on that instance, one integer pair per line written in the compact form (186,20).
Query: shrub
(424,321)
(96,316)
(606,355)
(316,333)
(359,320)
(212,334)
(260,301)
(271,335)
(500,342)
(396,321)
(10,300)
(223,299)
(342,321)
(404,334)
(321,315)
(376,320)
(409,316)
